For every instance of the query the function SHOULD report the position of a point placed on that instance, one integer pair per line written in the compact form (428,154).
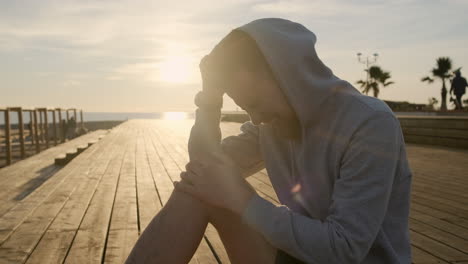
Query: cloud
(126,44)
(71,83)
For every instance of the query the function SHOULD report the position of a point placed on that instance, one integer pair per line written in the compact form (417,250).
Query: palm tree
(375,77)
(442,71)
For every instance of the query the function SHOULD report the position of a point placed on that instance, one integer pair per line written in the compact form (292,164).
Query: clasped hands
(216,180)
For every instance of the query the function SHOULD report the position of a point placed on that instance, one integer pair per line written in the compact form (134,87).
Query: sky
(142,56)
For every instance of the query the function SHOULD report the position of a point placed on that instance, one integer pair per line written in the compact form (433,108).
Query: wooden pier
(93,209)
(37,134)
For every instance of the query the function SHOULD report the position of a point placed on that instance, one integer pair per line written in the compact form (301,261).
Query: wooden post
(81,118)
(21,132)
(7,136)
(31,131)
(36,132)
(54,121)
(68,116)
(62,138)
(74,114)
(41,126)
(46,124)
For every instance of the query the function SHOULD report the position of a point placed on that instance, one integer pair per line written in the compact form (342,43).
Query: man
(458,88)
(335,157)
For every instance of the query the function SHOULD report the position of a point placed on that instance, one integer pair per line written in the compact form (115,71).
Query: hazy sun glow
(175,116)
(178,66)
(175,70)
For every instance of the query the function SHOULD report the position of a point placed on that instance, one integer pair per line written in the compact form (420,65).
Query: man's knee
(214,215)
(186,204)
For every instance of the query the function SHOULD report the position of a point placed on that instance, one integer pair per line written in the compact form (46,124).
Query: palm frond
(444,64)
(427,79)
(387,83)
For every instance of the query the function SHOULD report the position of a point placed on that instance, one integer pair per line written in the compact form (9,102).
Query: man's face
(261,97)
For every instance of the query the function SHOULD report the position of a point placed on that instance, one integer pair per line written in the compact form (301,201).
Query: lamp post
(368,62)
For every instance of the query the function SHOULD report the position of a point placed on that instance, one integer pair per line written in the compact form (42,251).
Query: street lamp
(368,62)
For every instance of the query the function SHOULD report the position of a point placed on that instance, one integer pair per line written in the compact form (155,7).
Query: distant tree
(375,77)
(441,71)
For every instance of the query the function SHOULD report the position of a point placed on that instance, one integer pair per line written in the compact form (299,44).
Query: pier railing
(44,129)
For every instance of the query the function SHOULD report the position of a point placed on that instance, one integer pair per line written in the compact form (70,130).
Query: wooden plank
(54,123)
(20,244)
(420,256)
(21,132)
(28,175)
(439,214)
(20,209)
(123,230)
(36,132)
(89,243)
(41,125)
(453,193)
(37,161)
(436,248)
(440,204)
(55,243)
(31,127)
(435,222)
(460,244)
(7,136)
(263,187)
(81,118)
(24,236)
(61,128)
(46,127)
(148,198)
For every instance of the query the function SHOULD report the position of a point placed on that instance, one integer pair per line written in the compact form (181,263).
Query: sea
(106,116)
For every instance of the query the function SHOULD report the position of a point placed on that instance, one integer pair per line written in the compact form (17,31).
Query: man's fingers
(195,167)
(186,188)
(187,177)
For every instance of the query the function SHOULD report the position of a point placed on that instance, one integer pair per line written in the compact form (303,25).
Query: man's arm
(205,136)
(360,199)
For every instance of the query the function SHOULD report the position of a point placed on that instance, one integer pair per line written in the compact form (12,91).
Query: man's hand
(211,79)
(218,183)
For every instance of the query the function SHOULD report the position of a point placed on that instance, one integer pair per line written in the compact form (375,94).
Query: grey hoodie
(345,184)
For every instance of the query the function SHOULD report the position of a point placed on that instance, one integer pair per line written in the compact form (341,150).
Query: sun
(177,66)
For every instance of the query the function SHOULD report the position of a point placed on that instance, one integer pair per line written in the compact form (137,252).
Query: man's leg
(459,102)
(242,243)
(176,231)
(174,234)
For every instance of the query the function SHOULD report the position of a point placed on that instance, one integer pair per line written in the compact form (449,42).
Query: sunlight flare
(175,116)
(178,66)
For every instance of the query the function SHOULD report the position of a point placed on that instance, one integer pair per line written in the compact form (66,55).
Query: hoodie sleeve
(205,136)
(359,202)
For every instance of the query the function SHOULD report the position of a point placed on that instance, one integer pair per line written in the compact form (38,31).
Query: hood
(289,49)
